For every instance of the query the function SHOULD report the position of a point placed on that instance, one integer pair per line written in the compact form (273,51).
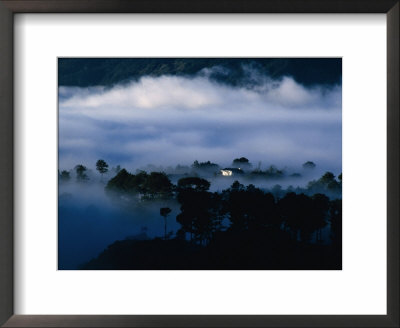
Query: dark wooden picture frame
(10,7)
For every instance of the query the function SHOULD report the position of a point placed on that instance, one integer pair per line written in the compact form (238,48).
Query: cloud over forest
(169,120)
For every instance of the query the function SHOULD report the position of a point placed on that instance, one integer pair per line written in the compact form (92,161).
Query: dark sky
(135,112)
(107,71)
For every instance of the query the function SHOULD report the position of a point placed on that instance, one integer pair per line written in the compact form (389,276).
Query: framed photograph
(166,162)
(165,166)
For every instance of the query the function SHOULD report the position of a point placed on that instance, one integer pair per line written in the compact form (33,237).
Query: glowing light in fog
(226,172)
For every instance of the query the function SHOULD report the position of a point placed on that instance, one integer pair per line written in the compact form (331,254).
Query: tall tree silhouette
(102,167)
(197,213)
(164,211)
(81,173)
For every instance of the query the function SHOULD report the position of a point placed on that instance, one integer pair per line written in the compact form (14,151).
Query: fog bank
(171,120)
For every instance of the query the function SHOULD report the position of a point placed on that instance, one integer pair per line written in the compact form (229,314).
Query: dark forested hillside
(85,72)
(237,228)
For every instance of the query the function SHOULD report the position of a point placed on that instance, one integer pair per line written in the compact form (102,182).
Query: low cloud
(171,120)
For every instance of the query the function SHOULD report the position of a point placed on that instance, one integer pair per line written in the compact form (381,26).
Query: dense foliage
(150,186)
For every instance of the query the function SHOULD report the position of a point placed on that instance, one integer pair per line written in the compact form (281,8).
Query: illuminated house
(231,171)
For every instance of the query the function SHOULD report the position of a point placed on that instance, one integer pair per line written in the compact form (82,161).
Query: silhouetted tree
(309,165)
(249,208)
(327,178)
(102,167)
(236,186)
(197,204)
(164,211)
(185,219)
(123,182)
(81,173)
(139,180)
(153,185)
(241,162)
(326,184)
(65,176)
(157,185)
(204,165)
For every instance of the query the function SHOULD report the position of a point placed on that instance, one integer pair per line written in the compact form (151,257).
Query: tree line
(239,165)
(301,212)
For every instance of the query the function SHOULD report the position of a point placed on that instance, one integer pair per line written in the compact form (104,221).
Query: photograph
(199,163)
